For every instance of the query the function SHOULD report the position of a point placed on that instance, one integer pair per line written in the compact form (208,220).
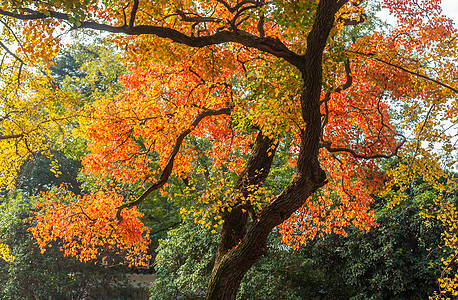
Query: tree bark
(258,167)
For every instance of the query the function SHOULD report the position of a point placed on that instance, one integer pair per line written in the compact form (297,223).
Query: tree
(248,75)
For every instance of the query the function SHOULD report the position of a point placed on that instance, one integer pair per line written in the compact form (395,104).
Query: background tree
(246,75)
(45,172)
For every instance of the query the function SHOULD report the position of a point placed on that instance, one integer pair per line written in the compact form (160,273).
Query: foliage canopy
(251,77)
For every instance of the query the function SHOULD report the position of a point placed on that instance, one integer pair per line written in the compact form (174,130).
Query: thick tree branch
(133,13)
(353,22)
(35,15)
(341,3)
(260,26)
(185,17)
(256,171)
(328,147)
(266,44)
(169,165)
(310,176)
(347,84)
(11,136)
(349,79)
(258,165)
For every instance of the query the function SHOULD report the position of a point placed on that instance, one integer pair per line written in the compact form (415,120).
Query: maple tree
(250,76)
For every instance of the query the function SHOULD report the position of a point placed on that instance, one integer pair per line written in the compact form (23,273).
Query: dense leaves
(74,214)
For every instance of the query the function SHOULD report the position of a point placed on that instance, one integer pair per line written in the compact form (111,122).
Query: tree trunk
(231,268)
(239,248)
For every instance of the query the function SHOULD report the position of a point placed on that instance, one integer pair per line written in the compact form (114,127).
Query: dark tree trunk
(258,166)
(239,248)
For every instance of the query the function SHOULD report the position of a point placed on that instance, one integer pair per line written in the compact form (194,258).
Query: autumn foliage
(5,252)
(87,228)
(250,76)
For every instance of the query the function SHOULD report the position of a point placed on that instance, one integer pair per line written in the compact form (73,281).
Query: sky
(450,8)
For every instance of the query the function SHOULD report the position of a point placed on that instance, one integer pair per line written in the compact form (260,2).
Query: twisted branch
(266,44)
(169,165)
